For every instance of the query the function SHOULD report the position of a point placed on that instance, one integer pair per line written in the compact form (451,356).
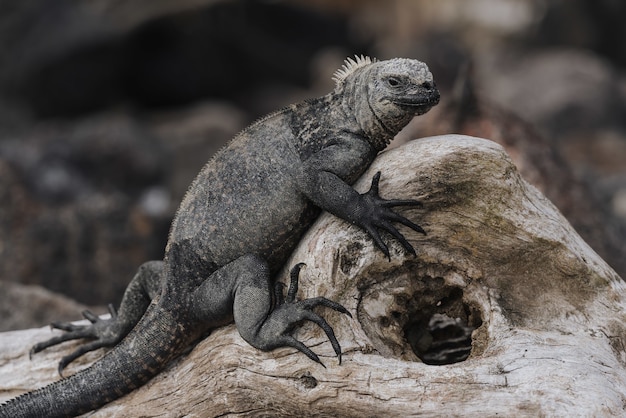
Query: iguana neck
(355,98)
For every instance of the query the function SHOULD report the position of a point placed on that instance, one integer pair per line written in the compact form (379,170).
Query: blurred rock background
(108,109)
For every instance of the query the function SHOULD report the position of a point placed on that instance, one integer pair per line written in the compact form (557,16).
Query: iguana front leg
(322,182)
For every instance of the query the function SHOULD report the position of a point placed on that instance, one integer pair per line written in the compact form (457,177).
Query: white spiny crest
(349,66)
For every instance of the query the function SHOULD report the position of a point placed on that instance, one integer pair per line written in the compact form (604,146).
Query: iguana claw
(104,332)
(380,216)
(289,312)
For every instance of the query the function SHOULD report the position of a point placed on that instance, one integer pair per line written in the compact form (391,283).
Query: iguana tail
(145,351)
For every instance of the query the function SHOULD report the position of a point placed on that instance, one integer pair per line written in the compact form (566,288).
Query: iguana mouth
(418,101)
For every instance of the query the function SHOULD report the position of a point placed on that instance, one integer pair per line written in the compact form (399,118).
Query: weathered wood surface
(550,313)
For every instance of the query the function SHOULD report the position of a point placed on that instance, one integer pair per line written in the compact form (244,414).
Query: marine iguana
(237,225)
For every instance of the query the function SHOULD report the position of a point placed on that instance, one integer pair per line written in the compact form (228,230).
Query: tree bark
(546,314)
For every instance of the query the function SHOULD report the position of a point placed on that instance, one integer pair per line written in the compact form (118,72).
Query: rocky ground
(108,109)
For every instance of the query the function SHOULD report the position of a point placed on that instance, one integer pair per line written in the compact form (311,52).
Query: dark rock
(67,58)
(83,204)
(72,220)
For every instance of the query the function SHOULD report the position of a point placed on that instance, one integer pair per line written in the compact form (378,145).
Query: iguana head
(385,95)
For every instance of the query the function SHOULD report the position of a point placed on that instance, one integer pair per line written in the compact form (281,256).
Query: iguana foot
(144,287)
(288,313)
(104,332)
(378,215)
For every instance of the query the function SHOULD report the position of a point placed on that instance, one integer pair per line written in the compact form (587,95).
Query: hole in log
(442,333)
(418,316)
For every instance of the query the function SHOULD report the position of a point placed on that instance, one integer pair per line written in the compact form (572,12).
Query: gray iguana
(237,225)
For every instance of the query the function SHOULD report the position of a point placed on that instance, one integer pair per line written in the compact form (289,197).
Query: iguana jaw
(393,110)
(419,103)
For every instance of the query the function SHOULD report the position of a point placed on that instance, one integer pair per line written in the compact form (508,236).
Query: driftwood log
(504,311)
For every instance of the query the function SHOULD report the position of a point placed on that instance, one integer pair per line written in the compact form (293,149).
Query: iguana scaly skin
(236,227)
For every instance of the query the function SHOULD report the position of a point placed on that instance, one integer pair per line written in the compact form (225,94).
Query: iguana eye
(393,82)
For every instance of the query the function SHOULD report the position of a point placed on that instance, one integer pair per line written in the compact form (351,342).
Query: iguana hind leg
(144,287)
(287,311)
(247,281)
